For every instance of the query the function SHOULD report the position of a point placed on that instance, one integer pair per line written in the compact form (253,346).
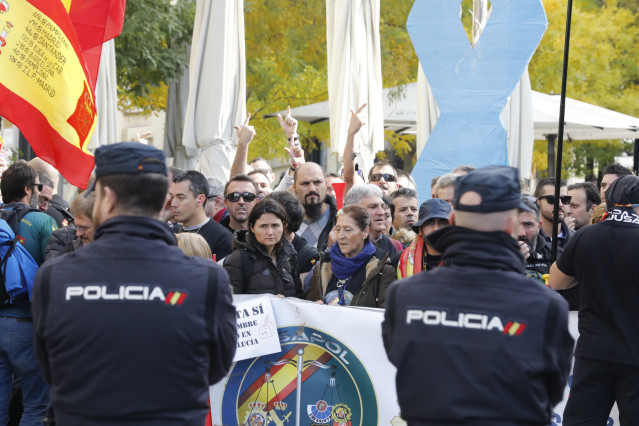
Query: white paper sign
(256,329)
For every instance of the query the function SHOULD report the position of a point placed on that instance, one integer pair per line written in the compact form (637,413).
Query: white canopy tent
(583,121)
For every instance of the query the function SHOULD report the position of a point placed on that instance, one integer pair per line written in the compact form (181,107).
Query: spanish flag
(95,22)
(45,85)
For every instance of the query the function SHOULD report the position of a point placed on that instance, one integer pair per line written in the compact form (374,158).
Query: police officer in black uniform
(476,342)
(129,330)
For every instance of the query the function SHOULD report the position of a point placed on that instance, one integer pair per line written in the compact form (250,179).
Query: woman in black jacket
(262,260)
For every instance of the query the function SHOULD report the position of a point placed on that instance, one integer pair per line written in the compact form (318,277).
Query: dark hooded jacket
(252,271)
(322,241)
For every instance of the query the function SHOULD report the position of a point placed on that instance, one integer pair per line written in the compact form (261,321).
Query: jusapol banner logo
(336,388)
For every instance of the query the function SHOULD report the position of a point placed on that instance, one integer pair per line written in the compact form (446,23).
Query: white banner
(256,329)
(345,374)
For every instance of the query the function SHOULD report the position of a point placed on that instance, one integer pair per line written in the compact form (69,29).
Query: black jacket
(322,241)
(476,342)
(63,240)
(129,329)
(252,271)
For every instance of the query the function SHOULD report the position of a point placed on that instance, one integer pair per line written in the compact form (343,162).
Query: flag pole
(560,136)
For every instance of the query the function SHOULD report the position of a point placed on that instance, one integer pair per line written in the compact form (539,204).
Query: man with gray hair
(445,187)
(370,197)
(214,207)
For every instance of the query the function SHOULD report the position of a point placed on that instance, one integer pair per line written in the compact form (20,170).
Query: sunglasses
(375,177)
(234,197)
(38,185)
(565,199)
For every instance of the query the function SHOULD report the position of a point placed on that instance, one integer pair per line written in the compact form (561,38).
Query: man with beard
(309,184)
(240,195)
(20,189)
(545,193)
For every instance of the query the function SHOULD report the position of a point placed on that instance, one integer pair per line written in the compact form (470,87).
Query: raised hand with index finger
(288,123)
(246,133)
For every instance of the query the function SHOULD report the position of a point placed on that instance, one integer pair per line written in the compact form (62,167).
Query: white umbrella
(217,95)
(106,96)
(355,74)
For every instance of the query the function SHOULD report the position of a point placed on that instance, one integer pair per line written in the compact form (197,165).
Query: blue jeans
(17,357)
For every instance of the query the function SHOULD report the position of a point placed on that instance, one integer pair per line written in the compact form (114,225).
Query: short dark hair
(267,205)
(401,192)
(175,171)
(292,206)
(592,193)
(261,159)
(545,182)
(197,183)
(142,194)
(532,205)
(359,215)
(241,178)
(381,164)
(14,179)
(616,169)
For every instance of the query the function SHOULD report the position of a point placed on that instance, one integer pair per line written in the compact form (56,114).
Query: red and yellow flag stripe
(44,86)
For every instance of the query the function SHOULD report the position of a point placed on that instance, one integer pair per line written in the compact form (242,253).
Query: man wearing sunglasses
(20,190)
(240,195)
(545,194)
(188,193)
(383,175)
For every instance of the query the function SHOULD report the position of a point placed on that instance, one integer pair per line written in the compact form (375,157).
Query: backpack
(17,266)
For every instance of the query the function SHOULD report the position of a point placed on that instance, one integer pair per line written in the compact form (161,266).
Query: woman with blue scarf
(355,272)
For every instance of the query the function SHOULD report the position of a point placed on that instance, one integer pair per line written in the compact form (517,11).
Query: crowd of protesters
(286,237)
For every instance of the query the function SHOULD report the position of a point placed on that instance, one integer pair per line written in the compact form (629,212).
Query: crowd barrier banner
(346,378)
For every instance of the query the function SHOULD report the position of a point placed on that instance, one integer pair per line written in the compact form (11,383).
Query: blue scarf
(345,267)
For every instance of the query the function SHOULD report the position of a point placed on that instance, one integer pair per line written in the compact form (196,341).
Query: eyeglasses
(375,177)
(38,185)
(234,197)
(43,201)
(212,197)
(80,227)
(565,199)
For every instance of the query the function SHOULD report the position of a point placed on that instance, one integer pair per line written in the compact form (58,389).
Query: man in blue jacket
(476,342)
(129,330)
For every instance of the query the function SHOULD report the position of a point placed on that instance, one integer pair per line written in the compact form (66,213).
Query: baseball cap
(127,158)
(433,208)
(498,187)
(623,191)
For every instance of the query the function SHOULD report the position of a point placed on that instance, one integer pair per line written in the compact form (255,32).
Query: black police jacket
(475,342)
(130,330)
